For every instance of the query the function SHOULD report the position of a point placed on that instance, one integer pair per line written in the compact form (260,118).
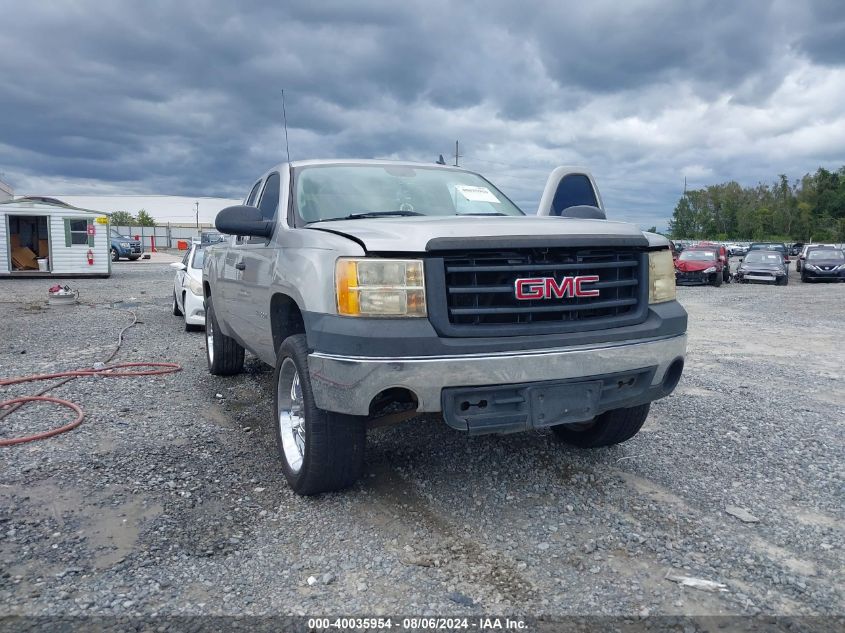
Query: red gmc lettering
(586,279)
(550,288)
(530,288)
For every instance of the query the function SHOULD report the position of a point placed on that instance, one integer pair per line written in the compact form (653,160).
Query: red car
(701,266)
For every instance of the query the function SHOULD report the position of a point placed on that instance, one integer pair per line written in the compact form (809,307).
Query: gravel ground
(169,498)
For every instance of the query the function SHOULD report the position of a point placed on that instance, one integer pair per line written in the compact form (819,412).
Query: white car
(187,288)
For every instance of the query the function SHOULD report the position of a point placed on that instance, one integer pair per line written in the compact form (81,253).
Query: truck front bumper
(649,368)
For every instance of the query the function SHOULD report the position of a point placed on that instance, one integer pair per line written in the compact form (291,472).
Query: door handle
(240,266)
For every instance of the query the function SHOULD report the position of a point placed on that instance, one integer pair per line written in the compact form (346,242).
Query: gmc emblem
(549,288)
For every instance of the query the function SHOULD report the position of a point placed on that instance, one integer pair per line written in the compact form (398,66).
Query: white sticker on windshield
(477,194)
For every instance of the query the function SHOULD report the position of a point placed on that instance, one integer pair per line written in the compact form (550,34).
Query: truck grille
(479,290)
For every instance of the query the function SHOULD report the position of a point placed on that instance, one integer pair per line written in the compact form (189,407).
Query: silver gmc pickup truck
(384,290)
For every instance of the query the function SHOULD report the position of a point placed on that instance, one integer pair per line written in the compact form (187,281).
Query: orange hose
(105,372)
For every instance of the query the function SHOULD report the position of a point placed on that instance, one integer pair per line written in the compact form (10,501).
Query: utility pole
(197,208)
(457,155)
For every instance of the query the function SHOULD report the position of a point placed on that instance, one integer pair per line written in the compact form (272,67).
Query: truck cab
(380,290)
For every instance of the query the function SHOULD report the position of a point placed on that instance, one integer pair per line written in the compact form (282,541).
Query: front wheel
(804,278)
(321,451)
(224,354)
(612,427)
(175,308)
(716,280)
(783,281)
(114,255)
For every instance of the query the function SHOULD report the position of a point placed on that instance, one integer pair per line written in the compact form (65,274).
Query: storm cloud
(185,98)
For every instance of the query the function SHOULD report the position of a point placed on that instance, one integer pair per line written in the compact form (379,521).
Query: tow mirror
(178,265)
(243,220)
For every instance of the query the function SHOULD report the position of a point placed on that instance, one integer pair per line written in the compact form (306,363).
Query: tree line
(811,209)
(124,218)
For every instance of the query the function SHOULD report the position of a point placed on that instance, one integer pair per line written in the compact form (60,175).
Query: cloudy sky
(184,98)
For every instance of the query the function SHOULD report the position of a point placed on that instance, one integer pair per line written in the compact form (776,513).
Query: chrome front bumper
(348,384)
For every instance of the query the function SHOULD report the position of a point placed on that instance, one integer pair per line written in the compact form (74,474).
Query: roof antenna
(285,115)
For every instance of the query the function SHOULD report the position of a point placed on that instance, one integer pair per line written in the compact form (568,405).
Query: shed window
(76,232)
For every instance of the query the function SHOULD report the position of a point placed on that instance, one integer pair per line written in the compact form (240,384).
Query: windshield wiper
(371,214)
(482,213)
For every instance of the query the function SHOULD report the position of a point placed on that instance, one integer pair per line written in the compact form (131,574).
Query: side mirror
(178,266)
(243,220)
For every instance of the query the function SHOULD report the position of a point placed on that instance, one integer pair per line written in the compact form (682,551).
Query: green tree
(145,219)
(122,218)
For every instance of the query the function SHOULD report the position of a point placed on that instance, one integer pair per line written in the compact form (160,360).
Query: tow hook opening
(466,405)
(673,375)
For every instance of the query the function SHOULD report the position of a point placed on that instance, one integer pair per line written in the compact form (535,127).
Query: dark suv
(124,246)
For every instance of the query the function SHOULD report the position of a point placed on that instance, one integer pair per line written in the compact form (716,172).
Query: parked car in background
(124,246)
(799,262)
(795,249)
(211,237)
(824,263)
(187,288)
(771,246)
(763,265)
(699,266)
(724,256)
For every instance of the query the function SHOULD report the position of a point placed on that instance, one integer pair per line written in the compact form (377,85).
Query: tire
(134,259)
(726,275)
(320,451)
(190,327)
(612,427)
(717,280)
(804,278)
(224,354)
(783,281)
(175,309)
(115,256)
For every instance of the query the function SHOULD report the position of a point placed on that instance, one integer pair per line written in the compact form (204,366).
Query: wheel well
(285,318)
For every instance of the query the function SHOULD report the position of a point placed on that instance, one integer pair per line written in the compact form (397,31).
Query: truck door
(573,189)
(257,261)
(230,274)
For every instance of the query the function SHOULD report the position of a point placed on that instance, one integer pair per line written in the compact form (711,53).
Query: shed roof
(41,203)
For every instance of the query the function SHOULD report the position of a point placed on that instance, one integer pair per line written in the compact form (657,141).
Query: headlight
(125,244)
(371,287)
(661,277)
(712,269)
(195,286)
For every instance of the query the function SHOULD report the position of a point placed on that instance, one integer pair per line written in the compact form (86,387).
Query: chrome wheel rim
(209,339)
(291,415)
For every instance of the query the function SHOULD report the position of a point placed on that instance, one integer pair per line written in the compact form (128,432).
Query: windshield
(114,233)
(698,256)
(762,257)
(825,254)
(337,191)
(199,258)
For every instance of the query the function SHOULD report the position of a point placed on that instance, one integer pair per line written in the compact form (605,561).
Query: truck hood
(691,266)
(419,234)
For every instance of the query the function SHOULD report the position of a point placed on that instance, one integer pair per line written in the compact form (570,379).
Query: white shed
(44,237)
